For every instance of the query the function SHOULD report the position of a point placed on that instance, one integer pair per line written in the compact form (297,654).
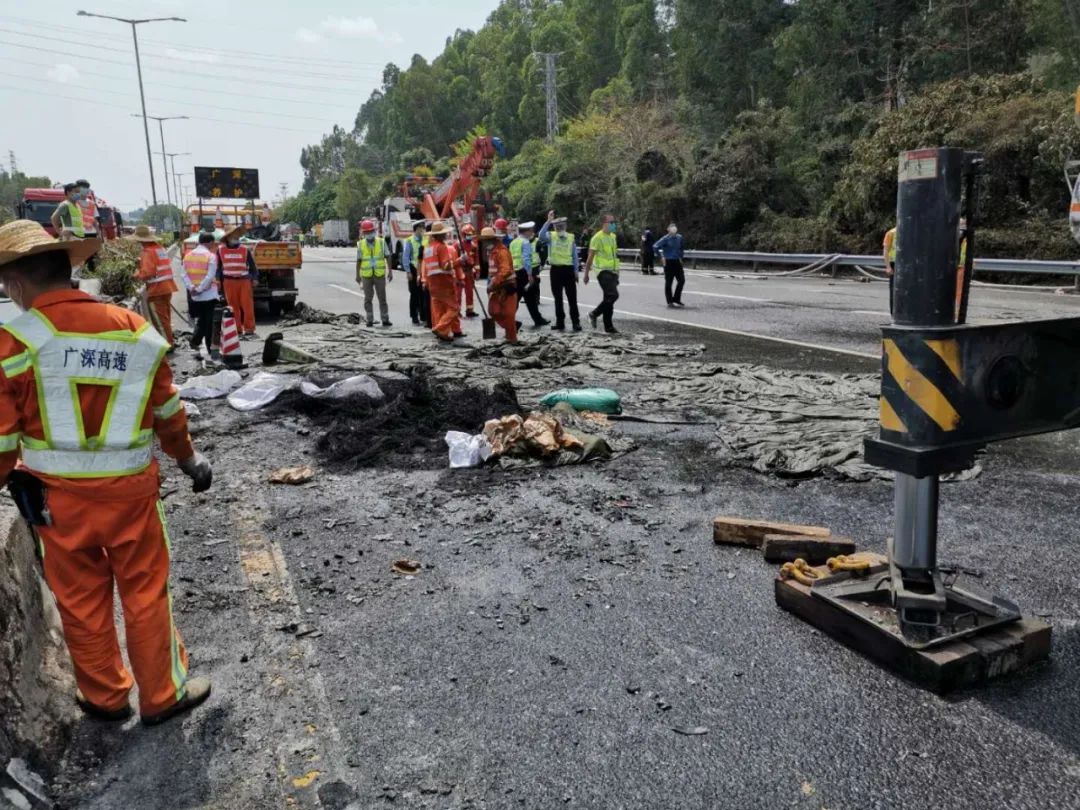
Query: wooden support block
(965,663)
(741,532)
(782,548)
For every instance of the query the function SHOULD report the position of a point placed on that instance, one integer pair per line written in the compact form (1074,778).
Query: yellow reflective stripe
(920,390)
(9,442)
(34,444)
(948,351)
(179,671)
(170,408)
(14,366)
(889,419)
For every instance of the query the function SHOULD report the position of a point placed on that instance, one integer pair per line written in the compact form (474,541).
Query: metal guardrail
(876,262)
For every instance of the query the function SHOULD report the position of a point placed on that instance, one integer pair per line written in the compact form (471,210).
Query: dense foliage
(768,124)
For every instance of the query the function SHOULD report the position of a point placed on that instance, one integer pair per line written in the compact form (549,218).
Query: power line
(127,108)
(169,100)
(28,23)
(190,88)
(215,76)
(172,60)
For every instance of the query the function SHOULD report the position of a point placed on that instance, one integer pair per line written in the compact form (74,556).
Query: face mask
(371,237)
(611,227)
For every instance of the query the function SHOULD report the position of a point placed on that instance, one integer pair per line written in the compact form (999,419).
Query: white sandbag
(360,384)
(260,390)
(211,385)
(467,450)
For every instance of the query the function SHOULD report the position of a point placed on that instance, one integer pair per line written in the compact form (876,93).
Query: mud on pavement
(572,637)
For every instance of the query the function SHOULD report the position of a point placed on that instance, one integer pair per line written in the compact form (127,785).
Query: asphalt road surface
(844,314)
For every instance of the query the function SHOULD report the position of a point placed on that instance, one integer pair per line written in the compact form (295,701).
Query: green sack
(602,400)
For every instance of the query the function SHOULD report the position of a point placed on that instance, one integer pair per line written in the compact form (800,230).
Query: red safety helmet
(468,230)
(501,224)
(367,226)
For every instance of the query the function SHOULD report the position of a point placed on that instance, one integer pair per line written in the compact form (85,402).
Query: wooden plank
(966,663)
(738,531)
(781,548)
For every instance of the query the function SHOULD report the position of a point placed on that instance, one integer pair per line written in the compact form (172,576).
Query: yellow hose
(845,563)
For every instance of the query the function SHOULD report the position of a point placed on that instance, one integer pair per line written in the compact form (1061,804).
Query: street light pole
(138,68)
(161,129)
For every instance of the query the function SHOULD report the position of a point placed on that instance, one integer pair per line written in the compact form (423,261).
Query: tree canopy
(754,123)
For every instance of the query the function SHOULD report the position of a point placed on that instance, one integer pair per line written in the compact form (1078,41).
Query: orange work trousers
(503,309)
(160,307)
(445,317)
(240,296)
(89,545)
(466,286)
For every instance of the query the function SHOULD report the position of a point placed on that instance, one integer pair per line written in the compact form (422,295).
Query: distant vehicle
(217,216)
(38,204)
(335,233)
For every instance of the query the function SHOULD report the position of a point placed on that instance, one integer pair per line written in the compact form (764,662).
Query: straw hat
(439,229)
(23,238)
(236,232)
(489,233)
(142,234)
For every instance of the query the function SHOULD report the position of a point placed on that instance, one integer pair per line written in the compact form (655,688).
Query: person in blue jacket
(671,247)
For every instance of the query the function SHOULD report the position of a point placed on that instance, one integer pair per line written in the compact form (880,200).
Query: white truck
(335,233)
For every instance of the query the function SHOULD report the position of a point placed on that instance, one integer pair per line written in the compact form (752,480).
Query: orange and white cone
(231,355)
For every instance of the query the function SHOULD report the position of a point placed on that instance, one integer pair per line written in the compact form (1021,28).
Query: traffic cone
(231,354)
(276,350)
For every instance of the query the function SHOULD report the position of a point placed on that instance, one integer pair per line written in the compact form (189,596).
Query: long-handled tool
(487,323)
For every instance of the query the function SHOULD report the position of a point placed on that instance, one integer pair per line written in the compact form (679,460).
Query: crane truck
(423,197)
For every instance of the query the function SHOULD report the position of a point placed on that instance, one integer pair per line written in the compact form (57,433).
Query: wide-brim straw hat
(237,232)
(23,238)
(489,233)
(439,228)
(143,234)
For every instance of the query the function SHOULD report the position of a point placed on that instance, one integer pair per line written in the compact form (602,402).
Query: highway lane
(841,314)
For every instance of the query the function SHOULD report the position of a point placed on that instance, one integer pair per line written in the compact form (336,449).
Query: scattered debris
(192,410)
(292,475)
(360,385)
(737,531)
(305,780)
(695,731)
(28,782)
(536,434)
(406,566)
(467,450)
(260,391)
(210,386)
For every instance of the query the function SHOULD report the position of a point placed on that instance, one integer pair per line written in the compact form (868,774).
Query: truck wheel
(275,309)
(288,305)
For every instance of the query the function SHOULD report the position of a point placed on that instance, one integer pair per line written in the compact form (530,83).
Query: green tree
(310,207)
(156,215)
(12,186)
(354,196)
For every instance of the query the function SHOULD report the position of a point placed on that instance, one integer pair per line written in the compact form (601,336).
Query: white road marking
(740,333)
(346,290)
(871,312)
(711,295)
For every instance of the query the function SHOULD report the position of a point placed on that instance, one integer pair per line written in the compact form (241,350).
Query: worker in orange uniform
(83,392)
(155,271)
(468,261)
(439,277)
(502,284)
(239,274)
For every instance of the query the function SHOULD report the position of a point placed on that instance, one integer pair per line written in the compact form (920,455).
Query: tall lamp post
(172,159)
(138,67)
(161,130)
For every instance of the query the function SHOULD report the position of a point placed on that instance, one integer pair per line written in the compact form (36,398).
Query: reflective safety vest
(607,257)
(370,259)
(233,261)
(76,217)
(892,244)
(88,215)
(431,262)
(122,360)
(561,252)
(163,270)
(196,265)
(418,246)
(963,251)
(517,253)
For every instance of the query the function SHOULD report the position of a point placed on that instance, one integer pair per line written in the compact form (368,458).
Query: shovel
(487,324)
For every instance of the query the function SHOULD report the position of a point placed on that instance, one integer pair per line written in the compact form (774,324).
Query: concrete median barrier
(37,709)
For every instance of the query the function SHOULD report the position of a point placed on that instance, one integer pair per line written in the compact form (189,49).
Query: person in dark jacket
(647,253)
(671,246)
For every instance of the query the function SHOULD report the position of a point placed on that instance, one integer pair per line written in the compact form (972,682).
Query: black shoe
(371,323)
(197,691)
(577,327)
(518,324)
(470,314)
(387,323)
(680,304)
(459,334)
(559,327)
(611,330)
(105,715)
(671,305)
(415,322)
(593,318)
(541,322)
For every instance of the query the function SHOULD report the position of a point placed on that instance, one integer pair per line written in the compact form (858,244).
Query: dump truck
(38,204)
(335,233)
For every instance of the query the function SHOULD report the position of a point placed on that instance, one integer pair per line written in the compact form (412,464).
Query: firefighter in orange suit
(239,274)
(502,283)
(438,271)
(87,479)
(155,271)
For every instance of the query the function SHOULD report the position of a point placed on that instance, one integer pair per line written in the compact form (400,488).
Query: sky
(257,80)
